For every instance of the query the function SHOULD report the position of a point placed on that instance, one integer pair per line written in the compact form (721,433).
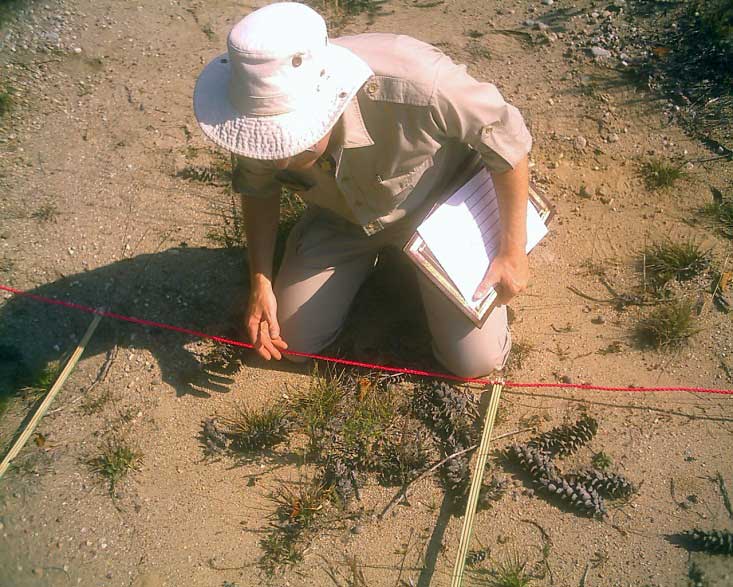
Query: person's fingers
(489,281)
(273,325)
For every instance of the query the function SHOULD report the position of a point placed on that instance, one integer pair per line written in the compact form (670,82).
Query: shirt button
(372,88)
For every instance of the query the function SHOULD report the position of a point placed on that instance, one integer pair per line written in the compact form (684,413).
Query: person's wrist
(261,281)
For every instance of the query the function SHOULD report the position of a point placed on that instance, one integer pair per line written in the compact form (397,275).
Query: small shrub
(300,506)
(116,460)
(257,429)
(659,174)
(668,260)
(280,549)
(509,572)
(6,100)
(46,213)
(601,461)
(670,325)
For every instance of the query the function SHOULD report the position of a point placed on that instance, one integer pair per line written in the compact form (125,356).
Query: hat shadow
(203,290)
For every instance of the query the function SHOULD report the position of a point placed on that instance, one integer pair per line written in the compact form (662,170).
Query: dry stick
(724,492)
(41,410)
(473,495)
(404,491)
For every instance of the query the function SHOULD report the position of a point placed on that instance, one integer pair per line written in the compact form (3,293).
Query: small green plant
(6,100)
(601,461)
(257,429)
(6,264)
(295,519)
(721,212)
(521,350)
(670,325)
(667,260)
(509,572)
(314,408)
(42,380)
(300,506)
(280,549)
(659,174)
(477,50)
(116,460)
(46,213)
(230,233)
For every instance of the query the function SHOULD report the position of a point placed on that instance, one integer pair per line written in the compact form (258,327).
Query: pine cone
(213,439)
(608,484)
(579,497)
(449,412)
(564,440)
(475,557)
(491,491)
(711,541)
(536,463)
(337,474)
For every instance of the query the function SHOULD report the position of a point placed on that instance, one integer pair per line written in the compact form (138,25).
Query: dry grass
(116,460)
(661,174)
(257,429)
(680,260)
(669,325)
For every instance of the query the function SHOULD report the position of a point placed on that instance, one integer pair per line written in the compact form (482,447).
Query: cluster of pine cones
(451,415)
(582,490)
(710,541)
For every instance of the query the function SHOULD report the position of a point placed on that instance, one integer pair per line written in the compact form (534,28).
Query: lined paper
(463,233)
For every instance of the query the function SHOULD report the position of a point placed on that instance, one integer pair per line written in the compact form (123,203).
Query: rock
(612,138)
(600,52)
(77,50)
(598,320)
(548,2)
(580,143)
(584,193)
(541,26)
(550,36)
(566,379)
(529,22)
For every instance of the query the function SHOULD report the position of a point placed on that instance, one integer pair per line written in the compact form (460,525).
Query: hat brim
(283,135)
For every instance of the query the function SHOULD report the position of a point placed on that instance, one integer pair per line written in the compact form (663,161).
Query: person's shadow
(200,289)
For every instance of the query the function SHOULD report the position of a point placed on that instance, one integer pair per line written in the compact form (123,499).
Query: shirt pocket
(389,193)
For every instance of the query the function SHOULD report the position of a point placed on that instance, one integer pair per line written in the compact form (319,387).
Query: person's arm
(261,218)
(509,271)
(476,114)
(261,210)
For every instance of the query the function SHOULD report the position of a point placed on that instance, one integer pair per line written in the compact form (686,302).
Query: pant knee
(474,367)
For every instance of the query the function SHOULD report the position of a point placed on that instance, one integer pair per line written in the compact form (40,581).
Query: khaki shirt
(406,132)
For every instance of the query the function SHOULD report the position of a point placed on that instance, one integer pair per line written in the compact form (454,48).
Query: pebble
(77,50)
(600,52)
(580,143)
(541,26)
(598,320)
(566,379)
(612,138)
(548,2)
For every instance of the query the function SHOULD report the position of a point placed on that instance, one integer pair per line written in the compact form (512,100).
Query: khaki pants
(326,261)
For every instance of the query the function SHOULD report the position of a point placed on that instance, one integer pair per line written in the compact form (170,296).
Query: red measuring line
(199,334)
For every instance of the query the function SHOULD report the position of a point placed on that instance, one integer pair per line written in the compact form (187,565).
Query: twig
(55,388)
(216,568)
(402,494)
(724,491)
(404,557)
(546,546)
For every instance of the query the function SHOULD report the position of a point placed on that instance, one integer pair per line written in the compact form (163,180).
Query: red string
(196,333)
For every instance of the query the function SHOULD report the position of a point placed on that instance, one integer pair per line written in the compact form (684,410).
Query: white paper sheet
(463,233)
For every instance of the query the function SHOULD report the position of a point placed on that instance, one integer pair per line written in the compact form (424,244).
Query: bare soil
(94,211)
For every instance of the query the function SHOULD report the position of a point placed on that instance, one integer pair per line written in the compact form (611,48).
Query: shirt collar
(355,132)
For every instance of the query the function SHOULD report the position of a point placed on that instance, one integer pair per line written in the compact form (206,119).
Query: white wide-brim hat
(280,88)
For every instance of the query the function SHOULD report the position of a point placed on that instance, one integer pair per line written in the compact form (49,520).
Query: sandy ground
(93,212)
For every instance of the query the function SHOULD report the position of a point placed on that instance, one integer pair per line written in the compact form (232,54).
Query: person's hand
(508,274)
(262,325)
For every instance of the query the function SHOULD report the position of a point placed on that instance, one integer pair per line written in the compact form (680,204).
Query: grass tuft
(116,460)
(6,100)
(257,429)
(46,213)
(300,506)
(315,408)
(669,326)
(680,260)
(660,174)
(722,213)
(510,572)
